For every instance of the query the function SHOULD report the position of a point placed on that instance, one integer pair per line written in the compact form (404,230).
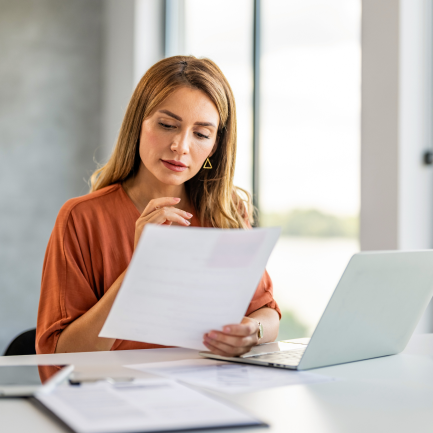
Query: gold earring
(207,164)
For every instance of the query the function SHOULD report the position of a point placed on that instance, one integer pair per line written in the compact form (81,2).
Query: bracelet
(260,331)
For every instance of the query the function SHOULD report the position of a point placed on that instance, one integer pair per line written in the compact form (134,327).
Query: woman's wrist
(269,321)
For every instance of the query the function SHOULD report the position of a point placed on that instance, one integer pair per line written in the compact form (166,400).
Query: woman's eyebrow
(169,113)
(205,124)
(175,116)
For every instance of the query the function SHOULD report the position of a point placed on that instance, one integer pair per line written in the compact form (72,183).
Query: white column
(175,28)
(396,187)
(415,206)
(149,35)
(133,41)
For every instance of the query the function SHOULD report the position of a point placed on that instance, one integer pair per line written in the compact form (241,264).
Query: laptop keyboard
(289,357)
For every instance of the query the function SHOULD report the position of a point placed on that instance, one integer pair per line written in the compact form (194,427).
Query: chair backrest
(24,344)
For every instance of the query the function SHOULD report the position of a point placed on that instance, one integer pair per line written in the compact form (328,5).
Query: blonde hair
(217,202)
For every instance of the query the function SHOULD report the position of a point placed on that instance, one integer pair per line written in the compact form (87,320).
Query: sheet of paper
(184,282)
(151,405)
(229,377)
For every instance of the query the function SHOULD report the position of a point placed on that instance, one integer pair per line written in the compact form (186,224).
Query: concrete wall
(50,97)
(118,68)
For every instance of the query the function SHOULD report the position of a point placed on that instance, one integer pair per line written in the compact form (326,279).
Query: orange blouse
(91,245)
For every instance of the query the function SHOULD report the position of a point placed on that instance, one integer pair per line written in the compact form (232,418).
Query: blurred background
(332,149)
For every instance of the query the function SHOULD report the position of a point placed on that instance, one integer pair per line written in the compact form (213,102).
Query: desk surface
(392,394)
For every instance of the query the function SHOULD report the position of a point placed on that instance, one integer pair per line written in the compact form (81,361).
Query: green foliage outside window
(291,326)
(312,223)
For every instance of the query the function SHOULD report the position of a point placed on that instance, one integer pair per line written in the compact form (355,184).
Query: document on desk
(229,377)
(184,282)
(145,406)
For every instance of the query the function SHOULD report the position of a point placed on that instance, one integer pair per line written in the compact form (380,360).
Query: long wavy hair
(217,201)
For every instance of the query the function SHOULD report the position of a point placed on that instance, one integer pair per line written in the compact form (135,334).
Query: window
(309,149)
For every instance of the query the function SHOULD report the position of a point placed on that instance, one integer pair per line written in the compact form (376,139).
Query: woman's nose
(180,143)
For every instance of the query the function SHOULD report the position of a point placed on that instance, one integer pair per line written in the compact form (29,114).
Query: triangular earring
(207,164)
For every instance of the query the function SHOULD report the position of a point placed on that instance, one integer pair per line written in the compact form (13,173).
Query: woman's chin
(175,179)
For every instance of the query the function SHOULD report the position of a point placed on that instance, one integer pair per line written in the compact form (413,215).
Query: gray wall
(118,67)
(50,93)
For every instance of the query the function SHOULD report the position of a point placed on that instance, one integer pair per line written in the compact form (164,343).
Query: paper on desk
(229,377)
(184,282)
(151,405)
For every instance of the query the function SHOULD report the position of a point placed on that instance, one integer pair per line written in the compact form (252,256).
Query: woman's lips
(174,165)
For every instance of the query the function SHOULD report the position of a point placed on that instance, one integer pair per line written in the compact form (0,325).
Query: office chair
(24,344)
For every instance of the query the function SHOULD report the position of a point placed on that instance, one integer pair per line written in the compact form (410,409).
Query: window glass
(310,156)
(222,31)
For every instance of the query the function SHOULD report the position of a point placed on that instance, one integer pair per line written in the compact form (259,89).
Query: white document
(229,377)
(151,405)
(184,282)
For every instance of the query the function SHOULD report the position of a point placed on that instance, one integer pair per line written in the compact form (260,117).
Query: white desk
(391,394)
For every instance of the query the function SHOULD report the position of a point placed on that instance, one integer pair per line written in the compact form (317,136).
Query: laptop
(373,312)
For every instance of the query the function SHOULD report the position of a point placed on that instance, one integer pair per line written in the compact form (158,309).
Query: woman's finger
(158,203)
(225,351)
(231,340)
(167,215)
(215,350)
(180,212)
(220,351)
(242,329)
(235,350)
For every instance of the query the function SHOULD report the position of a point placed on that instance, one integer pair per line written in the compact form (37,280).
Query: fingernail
(176,199)
(227,329)
(189,214)
(213,335)
(187,222)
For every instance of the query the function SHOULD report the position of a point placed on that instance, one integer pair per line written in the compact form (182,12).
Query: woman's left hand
(234,340)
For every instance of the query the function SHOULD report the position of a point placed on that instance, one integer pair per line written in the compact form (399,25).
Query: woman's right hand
(161,211)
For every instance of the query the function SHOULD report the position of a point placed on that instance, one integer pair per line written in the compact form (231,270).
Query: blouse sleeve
(263,297)
(66,293)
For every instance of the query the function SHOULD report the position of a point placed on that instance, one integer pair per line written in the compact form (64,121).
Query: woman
(173,164)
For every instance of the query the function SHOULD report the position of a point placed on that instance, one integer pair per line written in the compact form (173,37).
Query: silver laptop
(373,312)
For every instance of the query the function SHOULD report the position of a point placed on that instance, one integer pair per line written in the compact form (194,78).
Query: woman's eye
(199,135)
(166,126)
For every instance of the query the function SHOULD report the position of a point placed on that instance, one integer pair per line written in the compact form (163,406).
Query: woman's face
(179,135)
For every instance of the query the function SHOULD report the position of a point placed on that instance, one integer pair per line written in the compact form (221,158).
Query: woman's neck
(145,187)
